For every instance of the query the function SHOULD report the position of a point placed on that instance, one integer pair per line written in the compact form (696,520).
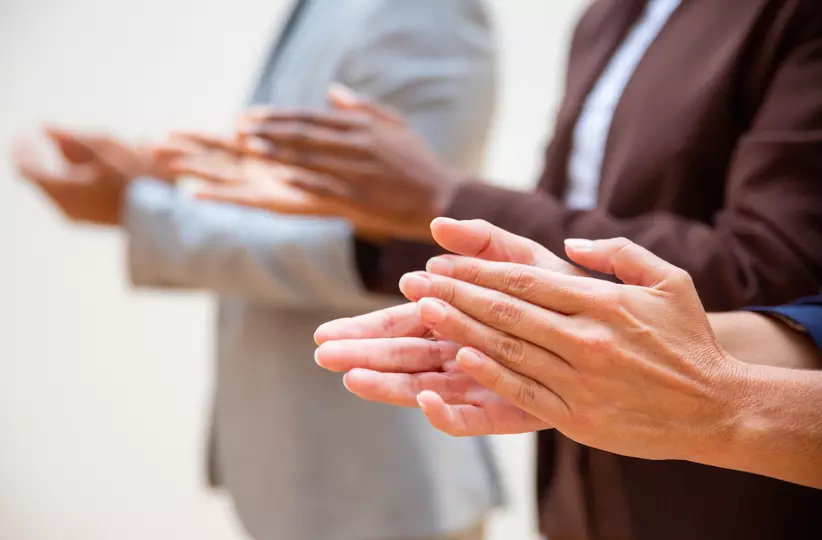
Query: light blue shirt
(594,124)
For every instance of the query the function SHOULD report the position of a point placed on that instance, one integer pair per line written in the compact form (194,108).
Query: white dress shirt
(594,123)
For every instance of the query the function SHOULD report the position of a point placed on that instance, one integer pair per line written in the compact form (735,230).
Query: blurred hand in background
(368,157)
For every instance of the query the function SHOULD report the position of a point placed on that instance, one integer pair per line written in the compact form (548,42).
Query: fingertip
(321,334)
(469,359)
(428,400)
(432,311)
(342,95)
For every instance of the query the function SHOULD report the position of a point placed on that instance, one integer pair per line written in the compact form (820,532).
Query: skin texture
(632,368)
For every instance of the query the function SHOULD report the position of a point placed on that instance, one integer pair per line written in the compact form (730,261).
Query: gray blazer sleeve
(176,241)
(432,61)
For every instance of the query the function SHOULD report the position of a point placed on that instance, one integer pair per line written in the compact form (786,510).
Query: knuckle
(504,313)
(599,342)
(471,272)
(519,281)
(447,291)
(526,394)
(511,350)
(681,278)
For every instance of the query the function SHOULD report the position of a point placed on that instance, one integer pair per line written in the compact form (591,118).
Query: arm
(755,252)
(451,107)
(175,241)
(780,423)
(437,70)
(788,337)
(434,63)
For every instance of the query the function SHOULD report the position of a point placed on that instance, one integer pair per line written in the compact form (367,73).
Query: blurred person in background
(693,128)
(301,457)
(636,368)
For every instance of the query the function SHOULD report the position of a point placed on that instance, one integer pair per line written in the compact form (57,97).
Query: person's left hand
(376,162)
(390,356)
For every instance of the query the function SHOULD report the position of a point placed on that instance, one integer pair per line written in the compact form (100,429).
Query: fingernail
(414,284)
(441,266)
(579,244)
(443,219)
(317,357)
(420,402)
(343,93)
(435,310)
(468,358)
(256,144)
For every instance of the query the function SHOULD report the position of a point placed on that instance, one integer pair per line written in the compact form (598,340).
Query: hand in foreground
(93,177)
(377,163)
(390,356)
(630,368)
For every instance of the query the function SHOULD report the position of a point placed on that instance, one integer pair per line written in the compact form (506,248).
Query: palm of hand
(91,183)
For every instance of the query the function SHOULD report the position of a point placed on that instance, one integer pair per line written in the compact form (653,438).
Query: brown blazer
(714,162)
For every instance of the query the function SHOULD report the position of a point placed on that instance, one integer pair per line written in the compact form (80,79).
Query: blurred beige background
(104,392)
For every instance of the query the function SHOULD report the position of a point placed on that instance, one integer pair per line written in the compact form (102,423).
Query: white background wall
(104,392)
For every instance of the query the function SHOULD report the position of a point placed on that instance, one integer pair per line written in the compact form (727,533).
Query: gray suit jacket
(301,457)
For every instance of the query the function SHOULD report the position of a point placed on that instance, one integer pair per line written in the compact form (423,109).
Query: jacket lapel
(598,35)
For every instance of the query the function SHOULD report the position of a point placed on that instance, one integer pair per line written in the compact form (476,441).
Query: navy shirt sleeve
(806,313)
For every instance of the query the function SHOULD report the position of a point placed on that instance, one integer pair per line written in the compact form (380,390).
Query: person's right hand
(94,175)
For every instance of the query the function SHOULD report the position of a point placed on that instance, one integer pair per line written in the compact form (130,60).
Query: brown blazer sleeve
(764,246)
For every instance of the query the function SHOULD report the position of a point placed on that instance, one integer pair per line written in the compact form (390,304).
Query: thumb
(480,239)
(629,262)
(342,97)
(72,145)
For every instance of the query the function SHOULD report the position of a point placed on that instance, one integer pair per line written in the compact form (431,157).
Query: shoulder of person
(429,19)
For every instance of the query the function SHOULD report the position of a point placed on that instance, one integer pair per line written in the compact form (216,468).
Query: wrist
(752,421)
(723,427)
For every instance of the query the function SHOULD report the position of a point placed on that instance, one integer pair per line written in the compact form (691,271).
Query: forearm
(175,241)
(754,338)
(777,426)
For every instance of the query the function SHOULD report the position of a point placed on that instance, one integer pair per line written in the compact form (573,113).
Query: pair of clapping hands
(358,160)
(505,337)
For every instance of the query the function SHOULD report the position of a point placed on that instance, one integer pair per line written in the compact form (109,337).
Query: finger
(343,98)
(401,389)
(517,353)
(26,159)
(346,169)
(478,238)
(342,120)
(536,398)
(308,138)
(238,195)
(631,263)
(545,288)
(396,355)
(396,321)
(545,327)
(206,141)
(208,168)
(470,420)
(74,147)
